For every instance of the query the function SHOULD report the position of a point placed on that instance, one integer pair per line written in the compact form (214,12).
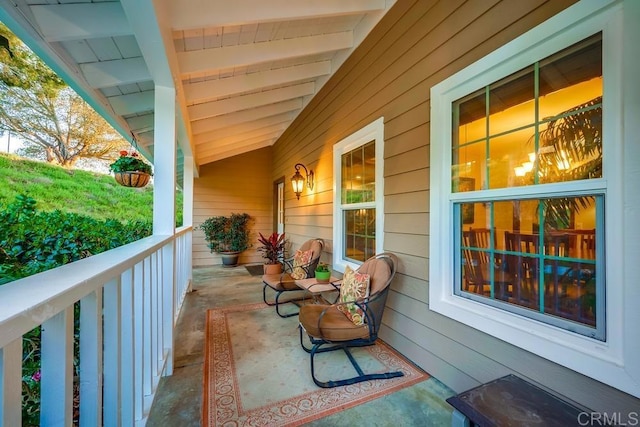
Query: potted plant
(227,235)
(322,273)
(272,250)
(130,170)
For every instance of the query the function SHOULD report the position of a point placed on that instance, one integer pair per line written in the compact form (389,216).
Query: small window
(358,205)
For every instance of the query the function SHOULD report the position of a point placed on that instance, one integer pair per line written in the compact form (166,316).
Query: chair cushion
(333,326)
(355,286)
(301,258)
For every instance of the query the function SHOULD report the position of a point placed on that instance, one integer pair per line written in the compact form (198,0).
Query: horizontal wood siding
(415,46)
(235,185)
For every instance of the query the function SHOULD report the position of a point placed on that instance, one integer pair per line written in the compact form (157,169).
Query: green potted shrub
(227,235)
(272,250)
(322,273)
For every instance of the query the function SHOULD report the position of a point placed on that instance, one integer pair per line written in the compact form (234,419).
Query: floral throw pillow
(300,259)
(354,286)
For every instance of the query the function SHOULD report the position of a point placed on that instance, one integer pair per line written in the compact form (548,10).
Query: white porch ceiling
(242,69)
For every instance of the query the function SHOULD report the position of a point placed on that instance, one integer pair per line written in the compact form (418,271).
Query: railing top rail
(29,302)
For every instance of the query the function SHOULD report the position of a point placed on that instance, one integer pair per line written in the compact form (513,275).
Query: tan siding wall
(238,184)
(416,45)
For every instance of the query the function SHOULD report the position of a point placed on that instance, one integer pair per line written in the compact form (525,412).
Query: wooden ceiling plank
(112,73)
(61,22)
(132,103)
(207,13)
(141,123)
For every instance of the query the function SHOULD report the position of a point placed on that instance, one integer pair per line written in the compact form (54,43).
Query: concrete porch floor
(179,397)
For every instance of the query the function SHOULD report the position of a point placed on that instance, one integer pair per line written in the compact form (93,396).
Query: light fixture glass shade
(297,181)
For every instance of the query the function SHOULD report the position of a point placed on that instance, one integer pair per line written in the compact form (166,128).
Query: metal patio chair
(285,282)
(329,329)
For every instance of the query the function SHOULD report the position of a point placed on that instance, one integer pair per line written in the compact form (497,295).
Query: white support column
(91,359)
(11,384)
(164,206)
(56,392)
(164,161)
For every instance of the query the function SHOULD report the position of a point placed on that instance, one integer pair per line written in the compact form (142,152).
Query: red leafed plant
(272,247)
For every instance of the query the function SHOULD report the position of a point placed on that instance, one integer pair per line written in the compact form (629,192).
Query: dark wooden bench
(512,401)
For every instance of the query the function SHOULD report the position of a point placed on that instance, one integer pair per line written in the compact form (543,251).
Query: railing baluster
(11,383)
(127,393)
(91,359)
(138,333)
(112,348)
(56,398)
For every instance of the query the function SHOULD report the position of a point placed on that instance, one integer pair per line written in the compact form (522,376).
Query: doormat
(255,270)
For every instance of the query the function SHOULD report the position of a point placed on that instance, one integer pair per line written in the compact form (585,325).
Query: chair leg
(277,303)
(264,295)
(317,348)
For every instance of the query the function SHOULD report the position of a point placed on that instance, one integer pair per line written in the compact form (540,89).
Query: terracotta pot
(132,179)
(272,268)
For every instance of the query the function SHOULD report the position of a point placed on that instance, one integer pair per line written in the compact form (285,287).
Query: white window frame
(374,131)
(614,361)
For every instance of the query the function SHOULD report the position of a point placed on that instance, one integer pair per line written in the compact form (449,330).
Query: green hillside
(74,191)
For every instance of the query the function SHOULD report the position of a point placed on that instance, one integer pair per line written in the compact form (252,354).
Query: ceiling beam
(59,22)
(207,13)
(217,142)
(225,120)
(211,89)
(244,127)
(208,60)
(246,102)
(235,151)
(117,72)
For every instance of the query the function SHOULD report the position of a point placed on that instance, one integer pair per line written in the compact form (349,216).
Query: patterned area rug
(256,373)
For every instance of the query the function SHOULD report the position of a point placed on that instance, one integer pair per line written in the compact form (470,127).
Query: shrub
(32,242)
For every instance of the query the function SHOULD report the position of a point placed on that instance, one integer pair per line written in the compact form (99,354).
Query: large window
(537,256)
(358,202)
(531,200)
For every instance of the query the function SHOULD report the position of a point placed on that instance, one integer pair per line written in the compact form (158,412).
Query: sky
(9,146)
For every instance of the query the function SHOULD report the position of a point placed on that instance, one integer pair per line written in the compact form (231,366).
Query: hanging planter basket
(132,179)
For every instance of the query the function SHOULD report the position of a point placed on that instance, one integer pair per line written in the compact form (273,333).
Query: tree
(56,124)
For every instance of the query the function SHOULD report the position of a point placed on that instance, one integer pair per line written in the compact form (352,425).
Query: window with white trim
(358,196)
(538,255)
(526,206)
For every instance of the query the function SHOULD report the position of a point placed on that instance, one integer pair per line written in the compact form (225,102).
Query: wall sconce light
(297,180)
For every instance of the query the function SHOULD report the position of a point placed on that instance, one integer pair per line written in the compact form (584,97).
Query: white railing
(130,298)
